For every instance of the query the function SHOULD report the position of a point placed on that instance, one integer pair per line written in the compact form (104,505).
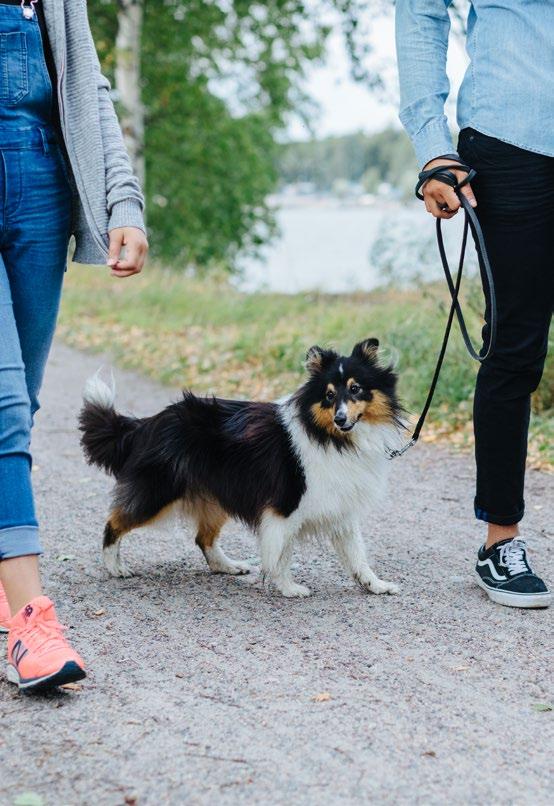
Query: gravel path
(211,690)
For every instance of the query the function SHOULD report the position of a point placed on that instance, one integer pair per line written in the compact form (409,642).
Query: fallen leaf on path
(430,753)
(323,697)
(72,687)
(99,612)
(542,706)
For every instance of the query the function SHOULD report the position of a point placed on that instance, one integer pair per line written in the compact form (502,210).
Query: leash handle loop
(446,175)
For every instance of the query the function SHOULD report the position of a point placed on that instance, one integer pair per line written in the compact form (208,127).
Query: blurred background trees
(368,160)
(203,102)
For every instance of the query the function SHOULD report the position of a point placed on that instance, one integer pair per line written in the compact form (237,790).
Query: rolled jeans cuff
(499,520)
(19,541)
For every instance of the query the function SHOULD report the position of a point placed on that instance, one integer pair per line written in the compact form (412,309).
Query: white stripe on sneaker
(494,572)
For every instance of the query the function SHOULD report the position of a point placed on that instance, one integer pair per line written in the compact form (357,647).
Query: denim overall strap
(25,88)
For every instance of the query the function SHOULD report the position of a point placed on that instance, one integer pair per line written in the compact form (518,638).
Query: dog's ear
(366,350)
(318,358)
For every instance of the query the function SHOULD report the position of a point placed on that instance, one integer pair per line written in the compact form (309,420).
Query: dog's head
(342,391)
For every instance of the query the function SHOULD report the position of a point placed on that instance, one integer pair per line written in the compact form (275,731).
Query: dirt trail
(207,689)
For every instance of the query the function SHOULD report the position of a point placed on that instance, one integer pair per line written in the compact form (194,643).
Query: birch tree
(128,50)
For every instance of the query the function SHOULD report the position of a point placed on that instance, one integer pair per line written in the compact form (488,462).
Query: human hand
(440,199)
(136,249)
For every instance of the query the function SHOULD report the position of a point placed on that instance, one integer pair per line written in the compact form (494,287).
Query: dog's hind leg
(276,544)
(117,526)
(210,519)
(350,548)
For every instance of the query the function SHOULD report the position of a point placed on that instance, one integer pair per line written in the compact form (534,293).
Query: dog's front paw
(382,586)
(114,564)
(373,584)
(292,589)
(232,567)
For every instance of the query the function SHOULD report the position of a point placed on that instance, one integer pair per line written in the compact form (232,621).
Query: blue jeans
(35,218)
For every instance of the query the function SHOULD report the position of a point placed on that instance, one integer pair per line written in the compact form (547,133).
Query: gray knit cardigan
(107,194)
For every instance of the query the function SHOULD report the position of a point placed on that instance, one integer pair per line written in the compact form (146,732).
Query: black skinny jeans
(515,206)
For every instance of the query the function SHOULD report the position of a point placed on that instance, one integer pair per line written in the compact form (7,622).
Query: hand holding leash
(441,199)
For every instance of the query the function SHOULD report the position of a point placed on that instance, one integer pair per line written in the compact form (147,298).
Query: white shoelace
(512,557)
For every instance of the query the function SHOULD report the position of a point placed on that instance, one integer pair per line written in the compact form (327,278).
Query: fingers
(136,248)
(440,199)
(116,245)
(469,194)
(123,272)
(450,198)
(134,259)
(440,213)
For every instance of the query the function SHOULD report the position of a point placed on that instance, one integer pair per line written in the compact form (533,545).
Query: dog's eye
(330,395)
(355,388)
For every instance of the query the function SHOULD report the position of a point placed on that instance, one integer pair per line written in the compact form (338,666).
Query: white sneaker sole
(13,677)
(527,600)
(69,673)
(3,630)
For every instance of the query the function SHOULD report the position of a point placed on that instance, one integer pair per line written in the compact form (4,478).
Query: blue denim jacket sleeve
(422,28)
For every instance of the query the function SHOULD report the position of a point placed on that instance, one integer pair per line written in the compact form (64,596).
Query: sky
(346,106)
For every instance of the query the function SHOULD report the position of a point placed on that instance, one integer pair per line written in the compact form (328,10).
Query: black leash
(443,174)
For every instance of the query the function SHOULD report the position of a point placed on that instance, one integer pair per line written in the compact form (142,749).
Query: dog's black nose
(340,418)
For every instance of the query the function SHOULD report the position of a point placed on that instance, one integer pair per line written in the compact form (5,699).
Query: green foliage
(219,78)
(367,159)
(218,81)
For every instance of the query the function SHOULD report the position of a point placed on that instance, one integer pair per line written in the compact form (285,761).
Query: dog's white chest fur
(340,485)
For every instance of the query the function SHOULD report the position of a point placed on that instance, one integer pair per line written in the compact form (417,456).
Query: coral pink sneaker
(5,612)
(39,657)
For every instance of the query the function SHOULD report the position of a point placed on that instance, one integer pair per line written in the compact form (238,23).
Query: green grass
(214,339)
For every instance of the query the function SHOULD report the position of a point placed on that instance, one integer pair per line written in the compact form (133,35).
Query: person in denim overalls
(35,215)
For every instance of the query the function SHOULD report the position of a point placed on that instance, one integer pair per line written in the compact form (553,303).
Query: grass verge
(214,339)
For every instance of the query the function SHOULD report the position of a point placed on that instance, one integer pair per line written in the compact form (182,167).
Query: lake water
(331,246)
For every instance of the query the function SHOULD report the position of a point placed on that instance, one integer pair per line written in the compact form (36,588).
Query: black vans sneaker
(506,576)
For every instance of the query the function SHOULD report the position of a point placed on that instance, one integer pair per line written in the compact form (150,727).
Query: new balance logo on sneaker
(505,574)
(18,652)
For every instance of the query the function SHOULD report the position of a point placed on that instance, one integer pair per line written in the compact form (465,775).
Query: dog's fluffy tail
(106,435)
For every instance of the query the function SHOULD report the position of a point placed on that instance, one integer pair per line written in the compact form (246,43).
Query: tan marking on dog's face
(323,417)
(378,409)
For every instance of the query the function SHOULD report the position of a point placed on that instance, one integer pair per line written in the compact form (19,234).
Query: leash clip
(392,454)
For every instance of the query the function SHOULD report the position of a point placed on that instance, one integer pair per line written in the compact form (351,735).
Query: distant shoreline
(290,201)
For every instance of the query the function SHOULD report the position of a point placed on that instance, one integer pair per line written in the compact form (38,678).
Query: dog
(312,464)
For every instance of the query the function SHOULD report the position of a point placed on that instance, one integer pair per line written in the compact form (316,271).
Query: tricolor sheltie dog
(312,464)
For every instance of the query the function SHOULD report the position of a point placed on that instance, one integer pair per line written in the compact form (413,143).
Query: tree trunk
(128,80)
